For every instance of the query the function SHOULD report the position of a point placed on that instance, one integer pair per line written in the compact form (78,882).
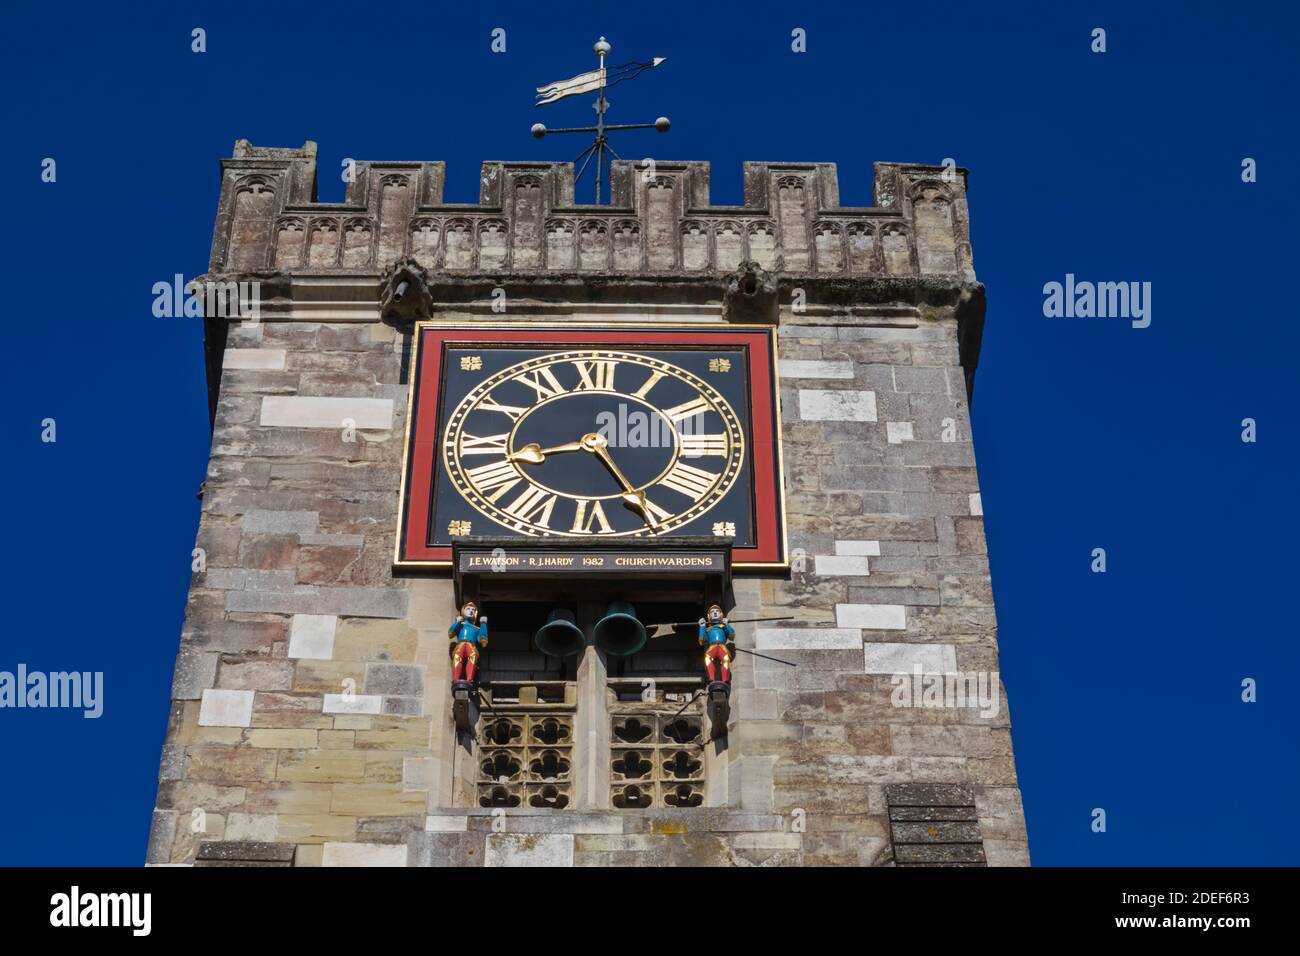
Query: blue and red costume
(715,633)
(469,635)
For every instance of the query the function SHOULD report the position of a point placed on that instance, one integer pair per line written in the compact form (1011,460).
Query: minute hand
(630,494)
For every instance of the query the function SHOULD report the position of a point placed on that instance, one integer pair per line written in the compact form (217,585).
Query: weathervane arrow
(599,80)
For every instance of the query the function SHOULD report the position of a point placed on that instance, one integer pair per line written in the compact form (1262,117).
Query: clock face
(593,433)
(578,442)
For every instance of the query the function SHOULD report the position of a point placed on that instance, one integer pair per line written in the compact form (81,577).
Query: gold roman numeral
(500,475)
(696,406)
(656,513)
(488,445)
(689,480)
(650,383)
(534,505)
(490,404)
(582,521)
(595,375)
(542,381)
(697,446)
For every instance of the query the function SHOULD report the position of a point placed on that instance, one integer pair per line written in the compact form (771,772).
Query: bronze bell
(559,636)
(619,632)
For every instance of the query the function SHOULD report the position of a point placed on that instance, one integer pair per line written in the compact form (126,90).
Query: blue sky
(1124,166)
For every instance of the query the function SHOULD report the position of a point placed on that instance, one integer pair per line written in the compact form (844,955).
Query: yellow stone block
(352,722)
(190,732)
(191,830)
(381,766)
(327,677)
(288,798)
(381,332)
(184,795)
(370,639)
(377,801)
(398,733)
(282,710)
(316,828)
(321,766)
(336,739)
(229,765)
(283,739)
(309,855)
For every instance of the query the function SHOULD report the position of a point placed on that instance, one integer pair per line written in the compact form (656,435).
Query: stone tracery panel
(426,238)
(526,760)
(358,240)
(656,755)
(323,243)
(290,243)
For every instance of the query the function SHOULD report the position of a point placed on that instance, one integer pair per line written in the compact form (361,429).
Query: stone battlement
(527,221)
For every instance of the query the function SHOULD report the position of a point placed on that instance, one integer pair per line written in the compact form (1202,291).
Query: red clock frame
(420,457)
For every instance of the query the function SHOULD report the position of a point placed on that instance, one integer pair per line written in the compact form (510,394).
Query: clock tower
(539,532)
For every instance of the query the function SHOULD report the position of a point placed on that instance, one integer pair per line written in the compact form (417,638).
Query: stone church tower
(412,419)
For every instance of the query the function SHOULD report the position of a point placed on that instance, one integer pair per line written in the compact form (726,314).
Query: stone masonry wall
(310,698)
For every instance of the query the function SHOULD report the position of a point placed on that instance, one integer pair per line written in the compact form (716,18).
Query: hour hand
(534,454)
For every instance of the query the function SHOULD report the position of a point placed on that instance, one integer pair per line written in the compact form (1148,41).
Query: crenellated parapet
(659,221)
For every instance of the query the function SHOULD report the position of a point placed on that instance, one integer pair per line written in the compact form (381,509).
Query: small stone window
(526,759)
(656,743)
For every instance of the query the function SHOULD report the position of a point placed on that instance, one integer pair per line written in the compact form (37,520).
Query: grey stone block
(332,540)
(240,579)
(281,522)
(915,379)
(529,849)
(403,706)
(930,795)
(926,814)
(162,831)
(245,853)
(196,671)
(401,680)
(939,853)
(172,766)
(341,601)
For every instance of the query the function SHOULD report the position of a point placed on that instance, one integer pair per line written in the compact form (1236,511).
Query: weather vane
(597,80)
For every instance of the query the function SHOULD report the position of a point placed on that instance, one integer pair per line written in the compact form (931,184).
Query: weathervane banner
(582,83)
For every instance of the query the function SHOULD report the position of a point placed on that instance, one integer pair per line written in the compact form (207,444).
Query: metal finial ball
(662,124)
(601,46)
(539,130)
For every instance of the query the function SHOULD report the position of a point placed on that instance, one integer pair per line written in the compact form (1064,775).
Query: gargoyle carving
(750,295)
(404,292)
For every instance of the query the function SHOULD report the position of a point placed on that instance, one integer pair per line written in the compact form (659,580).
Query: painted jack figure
(469,635)
(715,632)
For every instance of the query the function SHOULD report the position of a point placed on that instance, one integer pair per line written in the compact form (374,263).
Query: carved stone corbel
(404,292)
